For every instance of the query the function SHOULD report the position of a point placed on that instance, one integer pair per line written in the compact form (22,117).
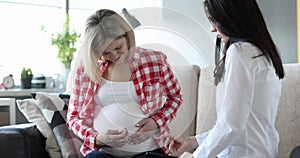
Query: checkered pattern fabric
(153,79)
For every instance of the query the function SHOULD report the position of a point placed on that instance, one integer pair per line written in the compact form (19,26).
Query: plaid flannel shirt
(152,77)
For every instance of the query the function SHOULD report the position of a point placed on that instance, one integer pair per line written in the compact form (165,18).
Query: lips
(117,58)
(120,55)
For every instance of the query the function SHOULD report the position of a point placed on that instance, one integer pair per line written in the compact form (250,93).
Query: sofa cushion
(206,112)
(288,115)
(184,122)
(33,114)
(54,108)
(23,140)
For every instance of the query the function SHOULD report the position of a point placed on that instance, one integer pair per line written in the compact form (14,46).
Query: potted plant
(65,42)
(26,77)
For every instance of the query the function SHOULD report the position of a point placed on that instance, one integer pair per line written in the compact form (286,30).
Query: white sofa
(198,114)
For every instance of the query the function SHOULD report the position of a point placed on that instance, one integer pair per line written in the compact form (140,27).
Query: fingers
(178,150)
(170,144)
(172,147)
(117,134)
(113,132)
(146,125)
(139,137)
(141,123)
(168,139)
(167,142)
(174,144)
(115,138)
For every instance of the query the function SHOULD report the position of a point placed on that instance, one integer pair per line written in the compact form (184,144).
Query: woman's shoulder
(245,49)
(246,53)
(79,70)
(149,54)
(244,46)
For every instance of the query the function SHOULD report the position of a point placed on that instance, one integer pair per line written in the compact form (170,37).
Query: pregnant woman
(123,97)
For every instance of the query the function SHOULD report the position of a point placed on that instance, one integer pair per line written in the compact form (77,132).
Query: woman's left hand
(147,127)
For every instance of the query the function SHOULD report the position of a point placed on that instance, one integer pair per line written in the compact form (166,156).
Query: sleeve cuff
(200,137)
(157,120)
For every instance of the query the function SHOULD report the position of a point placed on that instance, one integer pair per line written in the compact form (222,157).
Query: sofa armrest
(22,141)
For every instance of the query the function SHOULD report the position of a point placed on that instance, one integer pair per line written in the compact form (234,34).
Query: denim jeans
(102,154)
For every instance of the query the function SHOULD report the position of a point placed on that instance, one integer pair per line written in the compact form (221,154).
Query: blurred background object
(131,19)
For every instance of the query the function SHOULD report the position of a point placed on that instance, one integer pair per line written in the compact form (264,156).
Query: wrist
(155,118)
(99,143)
(194,142)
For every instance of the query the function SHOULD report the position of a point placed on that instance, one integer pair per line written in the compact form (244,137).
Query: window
(24,44)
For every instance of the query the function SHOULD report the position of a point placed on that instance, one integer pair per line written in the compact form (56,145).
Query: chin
(224,40)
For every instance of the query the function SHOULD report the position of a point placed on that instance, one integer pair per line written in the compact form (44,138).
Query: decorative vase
(64,75)
(61,78)
(26,83)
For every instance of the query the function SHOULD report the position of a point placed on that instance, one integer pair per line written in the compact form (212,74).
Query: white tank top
(120,109)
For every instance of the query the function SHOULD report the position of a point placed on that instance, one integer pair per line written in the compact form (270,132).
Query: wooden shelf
(12,93)
(10,103)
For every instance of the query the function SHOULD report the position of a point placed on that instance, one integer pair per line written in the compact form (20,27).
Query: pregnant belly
(117,117)
(120,116)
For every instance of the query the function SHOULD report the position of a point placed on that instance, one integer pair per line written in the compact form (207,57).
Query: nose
(213,28)
(114,53)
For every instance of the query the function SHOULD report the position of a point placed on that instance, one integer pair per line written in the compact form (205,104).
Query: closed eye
(116,48)
(119,47)
(105,53)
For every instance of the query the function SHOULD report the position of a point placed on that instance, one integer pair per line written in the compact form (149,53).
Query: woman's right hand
(177,145)
(113,138)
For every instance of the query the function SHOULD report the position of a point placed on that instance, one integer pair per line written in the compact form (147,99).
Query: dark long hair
(241,20)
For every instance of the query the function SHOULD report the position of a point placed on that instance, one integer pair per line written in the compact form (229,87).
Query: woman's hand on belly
(113,138)
(147,128)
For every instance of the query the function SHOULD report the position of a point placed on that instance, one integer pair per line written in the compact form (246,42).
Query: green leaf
(65,42)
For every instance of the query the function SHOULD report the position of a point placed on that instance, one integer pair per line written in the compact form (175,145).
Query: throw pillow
(54,108)
(33,114)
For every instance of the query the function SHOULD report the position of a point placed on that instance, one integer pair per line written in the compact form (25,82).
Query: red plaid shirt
(152,77)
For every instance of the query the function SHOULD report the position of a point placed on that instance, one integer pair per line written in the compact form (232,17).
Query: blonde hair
(102,26)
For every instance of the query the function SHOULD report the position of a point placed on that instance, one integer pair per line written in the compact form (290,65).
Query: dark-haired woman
(248,76)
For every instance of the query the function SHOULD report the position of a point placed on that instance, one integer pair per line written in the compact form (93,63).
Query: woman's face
(224,38)
(116,51)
